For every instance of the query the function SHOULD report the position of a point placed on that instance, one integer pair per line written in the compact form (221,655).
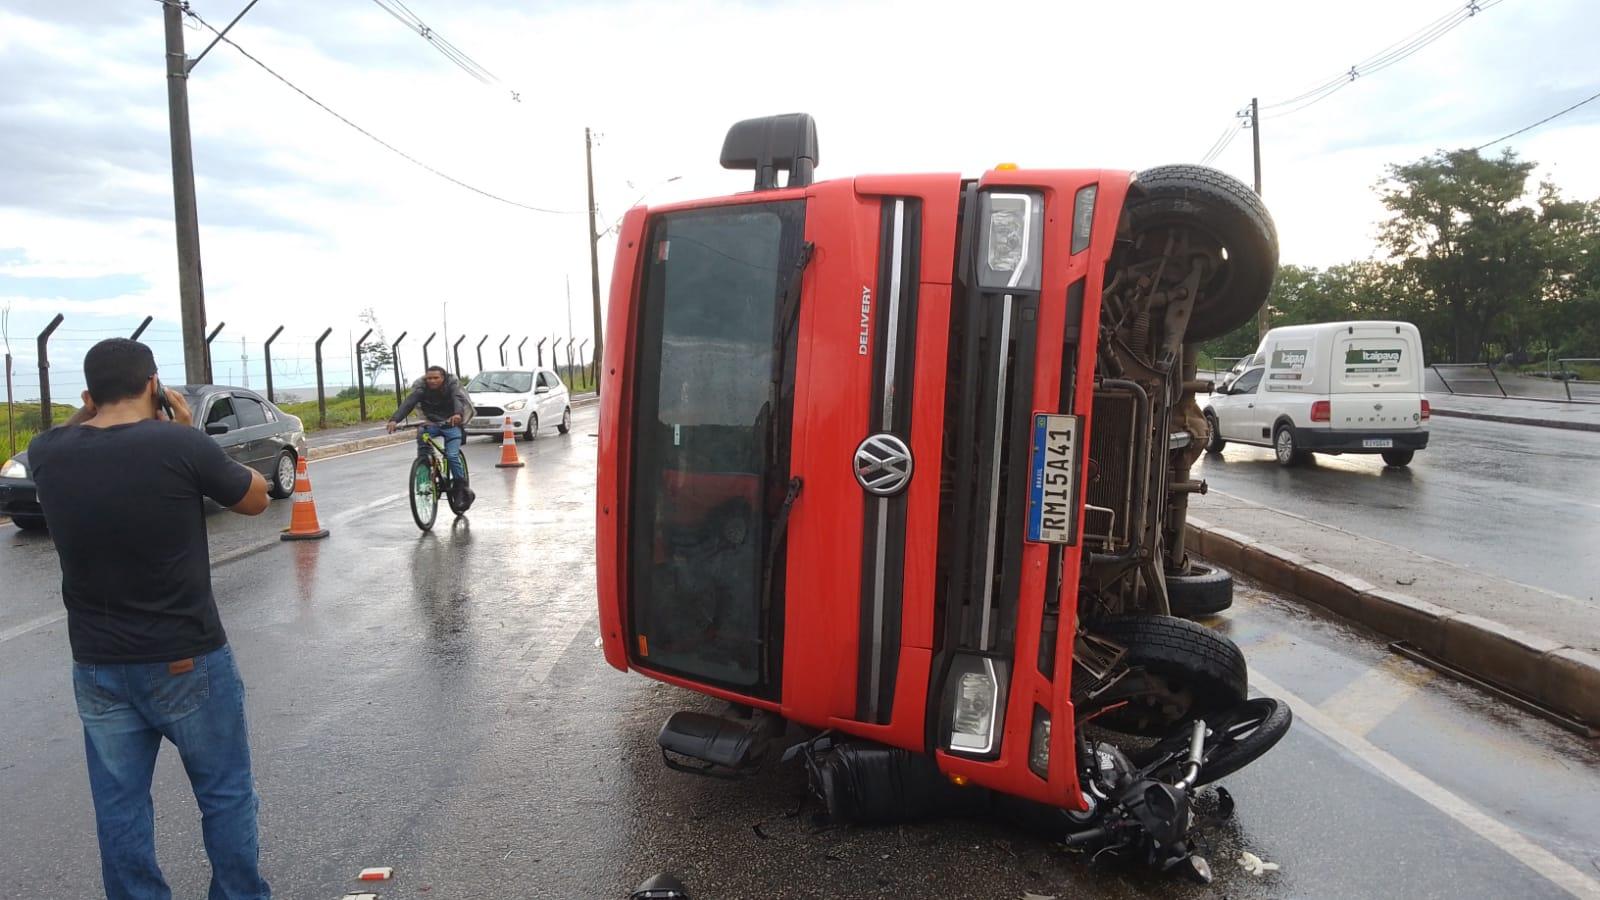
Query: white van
(1337,387)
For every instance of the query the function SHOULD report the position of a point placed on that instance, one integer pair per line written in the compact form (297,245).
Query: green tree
(376,355)
(1470,242)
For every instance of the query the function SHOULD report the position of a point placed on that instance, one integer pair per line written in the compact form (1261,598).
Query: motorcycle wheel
(1237,738)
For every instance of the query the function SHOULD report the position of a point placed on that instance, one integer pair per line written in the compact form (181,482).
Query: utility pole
(1263,315)
(594,257)
(244,360)
(191,290)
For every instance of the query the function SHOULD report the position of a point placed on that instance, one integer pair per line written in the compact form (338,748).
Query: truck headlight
(516,405)
(1010,240)
(1083,217)
(975,692)
(13,469)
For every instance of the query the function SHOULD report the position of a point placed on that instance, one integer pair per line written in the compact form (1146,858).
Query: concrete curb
(1518,420)
(1562,678)
(344,448)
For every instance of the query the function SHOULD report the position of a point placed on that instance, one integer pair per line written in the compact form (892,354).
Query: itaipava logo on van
(1288,359)
(1372,360)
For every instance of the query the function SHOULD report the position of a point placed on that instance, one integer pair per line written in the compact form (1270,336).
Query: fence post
(539,349)
(503,349)
(361,375)
(46,414)
(519,352)
(1567,385)
(480,353)
(583,365)
(142,326)
(396,361)
(267,358)
(209,338)
(570,376)
(425,344)
(457,350)
(322,394)
(1496,377)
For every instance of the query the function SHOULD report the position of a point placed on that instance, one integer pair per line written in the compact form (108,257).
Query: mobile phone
(164,405)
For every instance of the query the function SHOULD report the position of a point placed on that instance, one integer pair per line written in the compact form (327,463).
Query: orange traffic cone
(508,449)
(303,523)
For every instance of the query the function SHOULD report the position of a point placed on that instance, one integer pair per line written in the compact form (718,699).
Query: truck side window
(1247,382)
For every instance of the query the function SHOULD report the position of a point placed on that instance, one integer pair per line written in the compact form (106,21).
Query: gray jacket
(437,406)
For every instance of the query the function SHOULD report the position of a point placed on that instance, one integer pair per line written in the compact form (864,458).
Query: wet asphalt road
(1518,501)
(436,703)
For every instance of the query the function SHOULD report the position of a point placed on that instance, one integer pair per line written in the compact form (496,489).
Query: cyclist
(446,407)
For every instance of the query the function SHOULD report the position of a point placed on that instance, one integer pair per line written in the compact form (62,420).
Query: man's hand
(392,425)
(84,413)
(453,420)
(180,408)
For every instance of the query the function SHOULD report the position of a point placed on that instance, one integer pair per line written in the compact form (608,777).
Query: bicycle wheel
(424,498)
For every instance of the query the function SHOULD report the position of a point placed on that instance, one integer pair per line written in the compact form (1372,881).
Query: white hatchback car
(533,398)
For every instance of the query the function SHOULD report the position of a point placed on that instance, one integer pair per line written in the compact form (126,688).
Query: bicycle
(430,477)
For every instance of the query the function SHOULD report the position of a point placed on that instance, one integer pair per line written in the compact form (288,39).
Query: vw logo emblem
(883,465)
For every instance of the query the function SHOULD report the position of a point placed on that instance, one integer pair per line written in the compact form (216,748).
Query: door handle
(1249,406)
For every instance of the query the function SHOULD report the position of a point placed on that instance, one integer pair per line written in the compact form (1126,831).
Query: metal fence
(577,370)
(1563,385)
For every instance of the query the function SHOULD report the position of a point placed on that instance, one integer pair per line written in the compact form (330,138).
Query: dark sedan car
(250,428)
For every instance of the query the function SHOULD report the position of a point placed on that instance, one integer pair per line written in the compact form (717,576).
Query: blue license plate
(1052,484)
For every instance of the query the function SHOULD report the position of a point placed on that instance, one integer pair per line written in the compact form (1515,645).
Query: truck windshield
(704,460)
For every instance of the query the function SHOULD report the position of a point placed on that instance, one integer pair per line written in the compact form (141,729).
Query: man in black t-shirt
(123,491)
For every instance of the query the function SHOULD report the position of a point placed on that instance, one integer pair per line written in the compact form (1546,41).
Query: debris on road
(376,873)
(1254,864)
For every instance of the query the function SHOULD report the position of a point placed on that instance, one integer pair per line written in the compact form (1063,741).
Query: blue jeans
(127,709)
(453,436)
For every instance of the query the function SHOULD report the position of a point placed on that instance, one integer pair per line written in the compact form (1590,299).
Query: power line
(450,51)
(1513,134)
(1383,59)
(392,148)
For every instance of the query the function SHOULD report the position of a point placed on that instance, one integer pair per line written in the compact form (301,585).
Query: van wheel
(1286,449)
(1214,443)
(1203,591)
(1225,217)
(1398,457)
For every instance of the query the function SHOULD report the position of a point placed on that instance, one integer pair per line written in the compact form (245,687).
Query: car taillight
(1427,411)
(1321,411)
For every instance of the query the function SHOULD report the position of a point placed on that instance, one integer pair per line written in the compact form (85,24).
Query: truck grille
(1111,467)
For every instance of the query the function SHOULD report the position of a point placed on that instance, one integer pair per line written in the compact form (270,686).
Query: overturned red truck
(898,467)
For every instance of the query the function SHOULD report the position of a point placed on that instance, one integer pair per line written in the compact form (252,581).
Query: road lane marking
(31,625)
(1376,694)
(563,640)
(1551,867)
(17,631)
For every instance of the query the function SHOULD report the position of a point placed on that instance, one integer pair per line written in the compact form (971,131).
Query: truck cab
(905,457)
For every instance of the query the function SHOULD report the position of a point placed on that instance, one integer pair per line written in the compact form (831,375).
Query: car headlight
(13,469)
(1010,240)
(976,687)
(516,405)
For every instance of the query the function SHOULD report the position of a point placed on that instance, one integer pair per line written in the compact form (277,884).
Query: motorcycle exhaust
(1191,768)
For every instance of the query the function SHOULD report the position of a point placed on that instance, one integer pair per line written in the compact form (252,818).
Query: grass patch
(25,419)
(341,413)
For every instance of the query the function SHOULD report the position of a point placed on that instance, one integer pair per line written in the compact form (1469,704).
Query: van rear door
(1375,380)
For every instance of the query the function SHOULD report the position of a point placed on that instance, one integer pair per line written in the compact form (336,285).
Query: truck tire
(1189,671)
(1229,214)
(28,523)
(1203,591)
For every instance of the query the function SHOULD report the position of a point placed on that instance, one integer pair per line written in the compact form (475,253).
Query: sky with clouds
(305,221)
